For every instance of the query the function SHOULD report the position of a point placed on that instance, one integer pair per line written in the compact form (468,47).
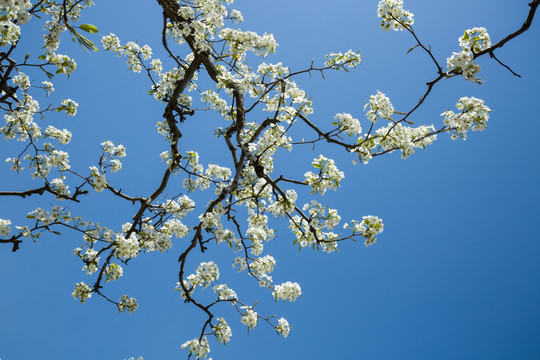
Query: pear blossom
(249,318)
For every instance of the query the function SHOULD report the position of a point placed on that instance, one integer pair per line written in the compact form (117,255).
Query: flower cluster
(328,177)
(249,318)
(69,106)
(64,64)
(287,291)
(99,182)
(242,41)
(261,267)
(199,349)
(393,16)
(310,232)
(151,239)
(476,39)
(283,205)
(339,61)
(128,304)
(13,11)
(224,292)
(405,138)
(112,154)
(63,136)
(126,248)
(206,273)
(347,123)
(20,123)
(9,33)
(369,227)
(49,217)
(462,63)
(379,106)
(273,71)
(91,260)
(222,331)
(113,272)
(4,227)
(135,53)
(82,292)
(283,327)
(473,116)
(258,231)
(22,80)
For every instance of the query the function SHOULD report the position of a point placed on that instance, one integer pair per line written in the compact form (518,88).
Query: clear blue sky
(455,275)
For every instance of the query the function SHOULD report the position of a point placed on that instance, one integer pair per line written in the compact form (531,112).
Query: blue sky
(455,273)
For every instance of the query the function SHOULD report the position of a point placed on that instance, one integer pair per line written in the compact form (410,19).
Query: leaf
(49,75)
(89,28)
(411,49)
(42,57)
(85,43)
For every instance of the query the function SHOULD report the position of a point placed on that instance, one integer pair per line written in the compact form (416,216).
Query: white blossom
(198,349)
(393,16)
(473,116)
(82,292)
(287,291)
(222,331)
(283,327)
(249,318)
(128,304)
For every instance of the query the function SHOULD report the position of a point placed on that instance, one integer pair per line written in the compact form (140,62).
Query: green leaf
(89,28)
(85,43)
(411,49)
(42,57)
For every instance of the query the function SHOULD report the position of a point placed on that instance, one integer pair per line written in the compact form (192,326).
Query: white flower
(126,248)
(113,272)
(379,107)
(393,16)
(288,291)
(473,116)
(249,318)
(206,273)
(4,227)
(328,177)
(462,63)
(196,348)
(99,182)
(283,327)
(338,60)
(222,331)
(369,227)
(224,292)
(127,303)
(69,106)
(82,292)
(22,80)
(475,40)
(349,124)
